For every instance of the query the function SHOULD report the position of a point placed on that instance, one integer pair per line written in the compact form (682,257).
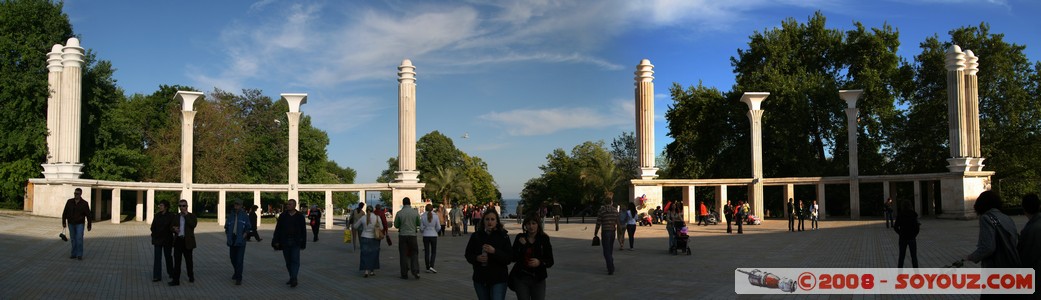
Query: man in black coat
(184,224)
(791,215)
(162,240)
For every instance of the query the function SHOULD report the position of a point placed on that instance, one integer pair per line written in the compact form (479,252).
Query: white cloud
(528,122)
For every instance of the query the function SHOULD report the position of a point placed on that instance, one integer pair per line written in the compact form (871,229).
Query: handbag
(377,232)
(62,235)
(347,236)
(596,240)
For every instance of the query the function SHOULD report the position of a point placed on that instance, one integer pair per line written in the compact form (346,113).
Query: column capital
(72,53)
(955,59)
(971,63)
(406,72)
(295,100)
(644,71)
(54,58)
(754,99)
(851,97)
(187,99)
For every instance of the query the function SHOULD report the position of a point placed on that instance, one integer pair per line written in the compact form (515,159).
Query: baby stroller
(753,220)
(644,219)
(712,218)
(682,239)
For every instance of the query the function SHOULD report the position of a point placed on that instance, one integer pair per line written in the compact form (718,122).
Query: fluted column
(294,100)
(645,118)
(407,124)
(54,71)
(187,142)
(72,92)
(972,117)
(956,109)
(755,117)
(852,128)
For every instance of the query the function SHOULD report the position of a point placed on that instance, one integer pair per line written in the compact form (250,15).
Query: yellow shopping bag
(347,236)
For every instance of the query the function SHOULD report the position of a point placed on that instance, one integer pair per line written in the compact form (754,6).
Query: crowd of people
(490,251)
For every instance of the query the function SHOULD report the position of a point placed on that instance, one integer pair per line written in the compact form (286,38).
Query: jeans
(291,253)
(607,242)
(429,251)
(180,251)
(527,288)
(632,231)
(495,291)
(904,243)
(76,232)
(813,222)
(157,265)
(672,237)
(237,253)
(802,224)
(408,253)
(466,226)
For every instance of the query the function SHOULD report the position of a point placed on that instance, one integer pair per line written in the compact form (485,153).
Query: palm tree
(600,175)
(448,183)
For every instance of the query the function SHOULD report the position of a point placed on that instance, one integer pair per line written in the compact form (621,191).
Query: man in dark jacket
(907,228)
(791,215)
(162,240)
(184,241)
(290,237)
(1030,238)
(76,213)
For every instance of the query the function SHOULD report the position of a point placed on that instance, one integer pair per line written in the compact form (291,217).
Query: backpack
(1008,257)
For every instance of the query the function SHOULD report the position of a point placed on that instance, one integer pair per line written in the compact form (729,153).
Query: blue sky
(521,78)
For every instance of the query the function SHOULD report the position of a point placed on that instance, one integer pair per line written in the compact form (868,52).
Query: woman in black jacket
(532,254)
(907,227)
(489,252)
(291,237)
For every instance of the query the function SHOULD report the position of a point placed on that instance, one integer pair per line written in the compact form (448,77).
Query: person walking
(407,222)
(801,213)
(702,213)
(382,214)
(728,215)
(442,215)
(557,212)
(430,226)
(998,243)
(673,222)
(356,215)
(887,209)
(742,213)
(790,209)
(1030,239)
(76,214)
(532,256)
(290,237)
(162,241)
(369,260)
(490,254)
(630,223)
(475,217)
(456,217)
(814,214)
(235,227)
(907,227)
(184,242)
(606,224)
(315,218)
(253,224)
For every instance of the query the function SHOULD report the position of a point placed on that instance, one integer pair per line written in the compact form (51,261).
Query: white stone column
(721,197)
(294,100)
(328,210)
(972,112)
(789,193)
(755,117)
(852,130)
(139,207)
(54,74)
(956,110)
(820,201)
(885,191)
(187,142)
(918,197)
(68,111)
(256,201)
(689,201)
(645,119)
(407,124)
(99,204)
(116,205)
(222,207)
(150,201)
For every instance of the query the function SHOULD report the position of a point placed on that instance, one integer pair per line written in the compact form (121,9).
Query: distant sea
(509,206)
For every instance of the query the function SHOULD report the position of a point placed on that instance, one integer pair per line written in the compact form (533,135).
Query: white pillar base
(654,197)
(415,195)
(648,173)
(965,164)
(407,177)
(958,194)
(62,171)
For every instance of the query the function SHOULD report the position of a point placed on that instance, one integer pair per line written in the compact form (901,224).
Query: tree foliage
(450,174)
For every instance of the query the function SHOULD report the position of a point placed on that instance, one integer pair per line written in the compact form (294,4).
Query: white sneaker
(431,269)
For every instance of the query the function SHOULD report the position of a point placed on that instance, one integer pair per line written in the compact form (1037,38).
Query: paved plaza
(118,262)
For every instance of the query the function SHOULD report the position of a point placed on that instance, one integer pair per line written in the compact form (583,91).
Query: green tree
(433,150)
(28,29)
(446,184)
